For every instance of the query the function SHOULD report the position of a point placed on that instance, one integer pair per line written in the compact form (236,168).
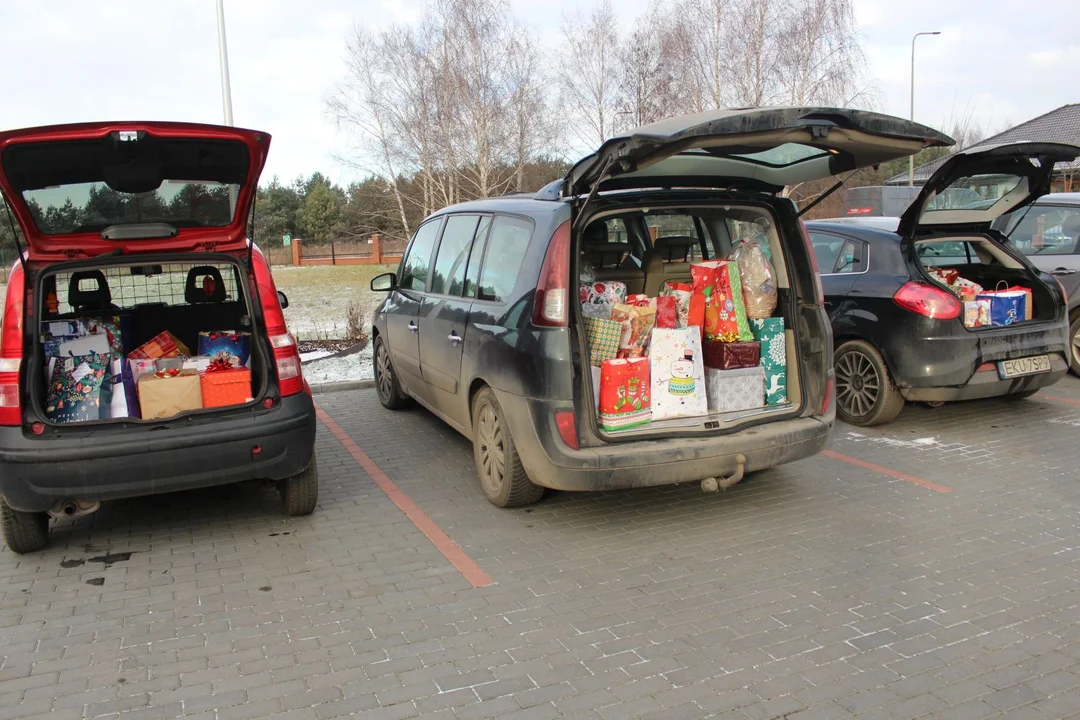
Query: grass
(319,297)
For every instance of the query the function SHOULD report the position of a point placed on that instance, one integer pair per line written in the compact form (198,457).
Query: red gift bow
(221,364)
(170,373)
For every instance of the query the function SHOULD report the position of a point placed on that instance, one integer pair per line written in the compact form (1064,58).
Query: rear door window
(448,277)
(417,263)
(947,253)
(1045,230)
(476,256)
(507,242)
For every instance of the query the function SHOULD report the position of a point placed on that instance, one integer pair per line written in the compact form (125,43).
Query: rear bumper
(987,384)
(37,471)
(647,463)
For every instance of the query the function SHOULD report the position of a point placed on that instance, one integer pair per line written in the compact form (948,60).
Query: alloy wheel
(1076,346)
(489,436)
(384,378)
(858,386)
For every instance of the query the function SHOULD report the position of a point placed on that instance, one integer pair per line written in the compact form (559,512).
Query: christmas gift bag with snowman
(678,373)
(770,333)
(624,393)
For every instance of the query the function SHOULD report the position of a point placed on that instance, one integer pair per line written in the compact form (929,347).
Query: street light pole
(911,158)
(226,89)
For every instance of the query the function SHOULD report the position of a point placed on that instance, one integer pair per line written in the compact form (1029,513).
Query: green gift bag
(603,337)
(770,333)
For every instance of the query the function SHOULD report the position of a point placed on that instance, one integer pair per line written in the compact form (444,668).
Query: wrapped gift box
(728,356)
(226,387)
(236,344)
(624,393)
(738,389)
(168,393)
(164,344)
(79,388)
(611,292)
(677,374)
(770,333)
(602,337)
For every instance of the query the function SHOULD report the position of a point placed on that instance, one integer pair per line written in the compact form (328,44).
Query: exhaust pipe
(712,484)
(71,508)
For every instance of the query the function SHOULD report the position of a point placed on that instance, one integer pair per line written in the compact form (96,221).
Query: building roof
(1060,125)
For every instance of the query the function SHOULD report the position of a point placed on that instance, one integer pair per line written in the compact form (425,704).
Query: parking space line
(450,549)
(1058,398)
(886,471)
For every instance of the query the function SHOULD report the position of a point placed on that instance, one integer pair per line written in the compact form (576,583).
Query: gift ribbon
(229,336)
(170,373)
(219,365)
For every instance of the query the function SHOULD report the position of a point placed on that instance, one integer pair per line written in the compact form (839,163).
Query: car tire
(23,532)
(498,466)
(300,493)
(865,394)
(386,382)
(1074,343)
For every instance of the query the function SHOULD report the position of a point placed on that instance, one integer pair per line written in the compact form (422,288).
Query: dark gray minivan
(481,324)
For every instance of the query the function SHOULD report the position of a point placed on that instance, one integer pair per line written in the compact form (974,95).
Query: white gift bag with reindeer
(678,373)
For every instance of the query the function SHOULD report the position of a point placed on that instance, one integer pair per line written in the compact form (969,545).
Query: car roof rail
(551,191)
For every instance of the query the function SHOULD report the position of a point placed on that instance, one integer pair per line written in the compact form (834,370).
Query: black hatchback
(901,333)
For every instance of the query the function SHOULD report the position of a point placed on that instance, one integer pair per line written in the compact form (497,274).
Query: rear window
(127,287)
(506,246)
(75,186)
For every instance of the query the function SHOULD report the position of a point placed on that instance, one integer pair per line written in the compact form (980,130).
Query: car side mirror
(384,283)
(282,300)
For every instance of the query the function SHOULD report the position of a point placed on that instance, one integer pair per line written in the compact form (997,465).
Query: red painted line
(1057,398)
(450,549)
(886,471)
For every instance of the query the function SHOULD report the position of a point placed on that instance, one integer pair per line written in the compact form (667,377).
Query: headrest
(595,233)
(204,285)
(607,254)
(674,248)
(83,297)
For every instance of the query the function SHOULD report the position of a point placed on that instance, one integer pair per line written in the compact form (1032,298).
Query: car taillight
(286,353)
(551,304)
(928,301)
(567,424)
(11,348)
(819,294)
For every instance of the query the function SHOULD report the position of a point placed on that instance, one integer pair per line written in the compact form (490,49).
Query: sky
(1002,61)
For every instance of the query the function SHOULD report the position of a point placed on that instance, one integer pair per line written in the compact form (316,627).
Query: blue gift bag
(1006,306)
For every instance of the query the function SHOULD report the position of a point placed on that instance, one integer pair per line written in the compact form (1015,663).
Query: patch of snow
(314,355)
(347,368)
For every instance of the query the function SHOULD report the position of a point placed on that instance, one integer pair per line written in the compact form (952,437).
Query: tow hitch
(712,484)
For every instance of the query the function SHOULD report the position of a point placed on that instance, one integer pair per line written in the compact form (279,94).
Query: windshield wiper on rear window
(138,231)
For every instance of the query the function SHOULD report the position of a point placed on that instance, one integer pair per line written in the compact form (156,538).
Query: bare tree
(531,126)
(819,57)
(587,74)
(647,69)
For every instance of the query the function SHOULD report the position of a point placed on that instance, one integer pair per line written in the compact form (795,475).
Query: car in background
(899,335)
(482,325)
(877,200)
(1048,233)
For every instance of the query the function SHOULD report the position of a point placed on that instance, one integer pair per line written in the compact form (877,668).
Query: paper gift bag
(611,292)
(738,389)
(167,393)
(770,333)
(624,393)
(1028,302)
(667,313)
(1006,306)
(725,315)
(164,344)
(79,388)
(236,344)
(728,356)
(976,313)
(223,386)
(602,337)
(677,374)
(681,293)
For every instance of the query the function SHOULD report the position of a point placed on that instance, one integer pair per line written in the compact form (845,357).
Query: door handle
(454,338)
(1062,271)
(412,326)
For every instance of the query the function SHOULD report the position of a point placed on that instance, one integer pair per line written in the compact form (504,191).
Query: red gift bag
(624,393)
(667,312)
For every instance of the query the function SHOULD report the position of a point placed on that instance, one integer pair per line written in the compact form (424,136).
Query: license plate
(1023,366)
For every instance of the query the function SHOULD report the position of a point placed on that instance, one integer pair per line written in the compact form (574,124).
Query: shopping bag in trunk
(770,333)
(602,337)
(624,393)
(678,374)
(637,324)
(79,387)
(1007,307)
(681,293)
(1029,310)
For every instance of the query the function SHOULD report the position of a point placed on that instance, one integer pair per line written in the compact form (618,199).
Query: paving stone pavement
(815,590)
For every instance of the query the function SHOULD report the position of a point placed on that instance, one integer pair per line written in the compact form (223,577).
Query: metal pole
(911,158)
(226,89)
